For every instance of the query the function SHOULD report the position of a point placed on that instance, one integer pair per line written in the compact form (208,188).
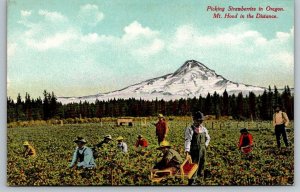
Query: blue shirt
(88,161)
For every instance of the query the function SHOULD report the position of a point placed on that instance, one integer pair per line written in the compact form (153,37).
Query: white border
(3,131)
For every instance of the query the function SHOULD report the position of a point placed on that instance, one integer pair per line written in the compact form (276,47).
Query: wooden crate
(188,168)
(186,171)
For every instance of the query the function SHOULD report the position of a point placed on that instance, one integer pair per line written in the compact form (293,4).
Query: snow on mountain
(192,79)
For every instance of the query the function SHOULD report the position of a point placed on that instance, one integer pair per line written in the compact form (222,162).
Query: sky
(85,47)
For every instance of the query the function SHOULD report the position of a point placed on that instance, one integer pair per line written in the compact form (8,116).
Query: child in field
(245,141)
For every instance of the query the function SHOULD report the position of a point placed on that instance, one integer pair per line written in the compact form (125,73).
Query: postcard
(143,93)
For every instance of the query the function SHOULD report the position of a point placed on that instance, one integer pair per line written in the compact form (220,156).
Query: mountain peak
(192,79)
(191,64)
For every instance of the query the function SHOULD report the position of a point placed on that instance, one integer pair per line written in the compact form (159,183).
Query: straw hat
(160,115)
(120,138)
(164,144)
(26,143)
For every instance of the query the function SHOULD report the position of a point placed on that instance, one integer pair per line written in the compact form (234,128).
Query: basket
(186,171)
(188,168)
(247,149)
(158,175)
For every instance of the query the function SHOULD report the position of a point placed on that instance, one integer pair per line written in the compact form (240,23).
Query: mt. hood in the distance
(192,79)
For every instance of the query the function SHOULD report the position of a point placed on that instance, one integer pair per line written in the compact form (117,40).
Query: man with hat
(170,159)
(141,142)
(121,144)
(105,140)
(29,151)
(196,142)
(83,155)
(245,141)
(280,121)
(103,144)
(161,128)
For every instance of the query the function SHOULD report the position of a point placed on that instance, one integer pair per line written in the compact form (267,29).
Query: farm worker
(106,140)
(170,159)
(141,142)
(161,128)
(245,141)
(196,142)
(83,155)
(29,151)
(121,144)
(280,121)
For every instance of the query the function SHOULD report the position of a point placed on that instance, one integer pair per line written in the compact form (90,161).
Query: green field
(225,165)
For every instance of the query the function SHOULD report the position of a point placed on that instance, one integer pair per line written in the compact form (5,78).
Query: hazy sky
(83,47)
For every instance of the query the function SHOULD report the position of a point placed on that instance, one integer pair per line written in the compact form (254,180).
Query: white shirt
(123,147)
(189,135)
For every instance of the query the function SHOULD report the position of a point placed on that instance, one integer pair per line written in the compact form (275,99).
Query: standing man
(161,128)
(83,156)
(196,142)
(280,121)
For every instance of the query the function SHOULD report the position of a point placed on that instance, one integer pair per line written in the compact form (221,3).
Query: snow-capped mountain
(190,80)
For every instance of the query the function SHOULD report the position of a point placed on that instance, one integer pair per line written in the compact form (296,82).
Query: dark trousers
(160,138)
(163,165)
(199,157)
(280,130)
(159,165)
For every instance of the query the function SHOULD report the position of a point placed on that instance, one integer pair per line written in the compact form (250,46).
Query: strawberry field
(225,165)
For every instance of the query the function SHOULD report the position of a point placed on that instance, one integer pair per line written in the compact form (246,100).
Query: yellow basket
(158,175)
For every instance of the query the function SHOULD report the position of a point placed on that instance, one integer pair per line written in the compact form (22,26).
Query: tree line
(242,107)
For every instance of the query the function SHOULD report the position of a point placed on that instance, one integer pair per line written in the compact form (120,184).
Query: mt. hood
(192,79)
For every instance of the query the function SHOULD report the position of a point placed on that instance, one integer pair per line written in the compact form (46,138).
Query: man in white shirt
(196,142)
(83,156)
(280,121)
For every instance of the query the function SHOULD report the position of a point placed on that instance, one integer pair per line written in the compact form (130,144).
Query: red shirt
(246,139)
(141,142)
(161,128)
